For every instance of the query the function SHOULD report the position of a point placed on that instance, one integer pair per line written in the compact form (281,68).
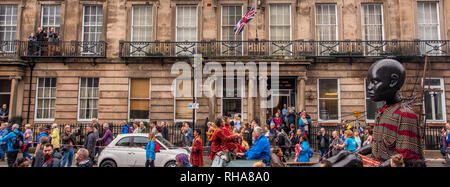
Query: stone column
(13,98)
(262,110)
(252,93)
(301,93)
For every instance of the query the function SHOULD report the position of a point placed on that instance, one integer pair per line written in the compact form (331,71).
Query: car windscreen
(165,142)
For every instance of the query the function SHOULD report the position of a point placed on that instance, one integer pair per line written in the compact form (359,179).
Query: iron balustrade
(286,48)
(36,49)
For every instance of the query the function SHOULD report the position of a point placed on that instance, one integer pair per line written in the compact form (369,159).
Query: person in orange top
(197,150)
(220,139)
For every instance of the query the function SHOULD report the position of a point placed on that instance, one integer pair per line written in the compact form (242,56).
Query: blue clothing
(304,154)
(10,140)
(350,144)
(302,125)
(3,149)
(237,124)
(125,129)
(25,152)
(67,158)
(3,133)
(284,111)
(41,135)
(4,113)
(150,150)
(260,150)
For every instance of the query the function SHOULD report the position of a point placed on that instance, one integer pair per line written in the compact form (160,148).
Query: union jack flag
(244,20)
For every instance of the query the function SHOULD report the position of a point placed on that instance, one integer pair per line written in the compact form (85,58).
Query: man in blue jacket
(125,128)
(12,153)
(3,147)
(43,133)
(261,147)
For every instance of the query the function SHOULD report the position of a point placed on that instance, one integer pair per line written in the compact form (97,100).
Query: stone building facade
(114,58)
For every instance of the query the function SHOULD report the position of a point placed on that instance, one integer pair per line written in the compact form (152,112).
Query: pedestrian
(261,147)
(303,150)
(153,126)
(51,157)
(43,133)
(350,142)
(82,158)
(219,139)
(290,119)
(303,122)
(38,158)
(13,145)
(211,129)
(68,141)
(182,160)
(142,127)
(186,133)
(165,130)
(334,144)
(31,44)
(276,156)
(28,135)
(443,144)
(277,120)
(136,128)
(125,127)
(55,137)
(242,144)
(323,140)
(150,153)
(359,140)
(107,135)
(283,141)
(3,144)
(197,150)
(90,143)
(397,161)
(158,131)
(237,121)
(95,126)
(4,113)
(22,163)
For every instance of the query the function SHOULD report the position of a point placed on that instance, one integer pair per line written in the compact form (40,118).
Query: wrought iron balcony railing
(286,48)
(36,49)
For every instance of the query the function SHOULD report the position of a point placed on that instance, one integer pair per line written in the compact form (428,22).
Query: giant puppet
(396,129)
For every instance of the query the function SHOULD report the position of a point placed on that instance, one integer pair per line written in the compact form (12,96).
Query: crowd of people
(43,42)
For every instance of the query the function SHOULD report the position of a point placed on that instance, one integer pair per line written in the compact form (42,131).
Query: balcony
(286,48)
(59,49)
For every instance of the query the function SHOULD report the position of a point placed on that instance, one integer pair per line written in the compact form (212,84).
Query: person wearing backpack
(15,141)
(304,151)
(150,150)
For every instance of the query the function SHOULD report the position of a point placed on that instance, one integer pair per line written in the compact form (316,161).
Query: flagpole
(256,15)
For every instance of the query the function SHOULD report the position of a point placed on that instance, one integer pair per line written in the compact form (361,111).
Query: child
(350,143)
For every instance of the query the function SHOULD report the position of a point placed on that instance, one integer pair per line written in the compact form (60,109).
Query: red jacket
(231,143)
(218,142)
(197,153)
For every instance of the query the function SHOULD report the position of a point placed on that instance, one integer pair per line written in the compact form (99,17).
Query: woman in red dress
(220,139)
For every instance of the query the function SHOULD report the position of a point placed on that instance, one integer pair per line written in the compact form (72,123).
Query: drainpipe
(29,89)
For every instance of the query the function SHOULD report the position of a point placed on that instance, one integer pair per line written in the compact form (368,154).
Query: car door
(121,150)
(138,148)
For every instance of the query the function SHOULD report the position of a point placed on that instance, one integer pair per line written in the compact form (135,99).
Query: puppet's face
(385,79)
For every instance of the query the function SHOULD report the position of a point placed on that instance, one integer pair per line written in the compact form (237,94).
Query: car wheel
(108,164)
(171,164)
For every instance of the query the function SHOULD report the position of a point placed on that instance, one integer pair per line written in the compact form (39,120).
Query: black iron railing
(36,49)
(62,49)
(285,48)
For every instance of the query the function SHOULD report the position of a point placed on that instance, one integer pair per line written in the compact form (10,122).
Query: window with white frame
(231,100)
(45,99)
(328,99)
(326,28)
(139,99)
(280,28)
(88,99)
(428,23)
(372,27)
(182,100)
(92,28)
(371,106)
(186,29)
(141,28)
(231,15)
(51,17)
(8,26)
(435,100)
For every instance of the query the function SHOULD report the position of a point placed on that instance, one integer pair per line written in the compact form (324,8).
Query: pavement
(433,160)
